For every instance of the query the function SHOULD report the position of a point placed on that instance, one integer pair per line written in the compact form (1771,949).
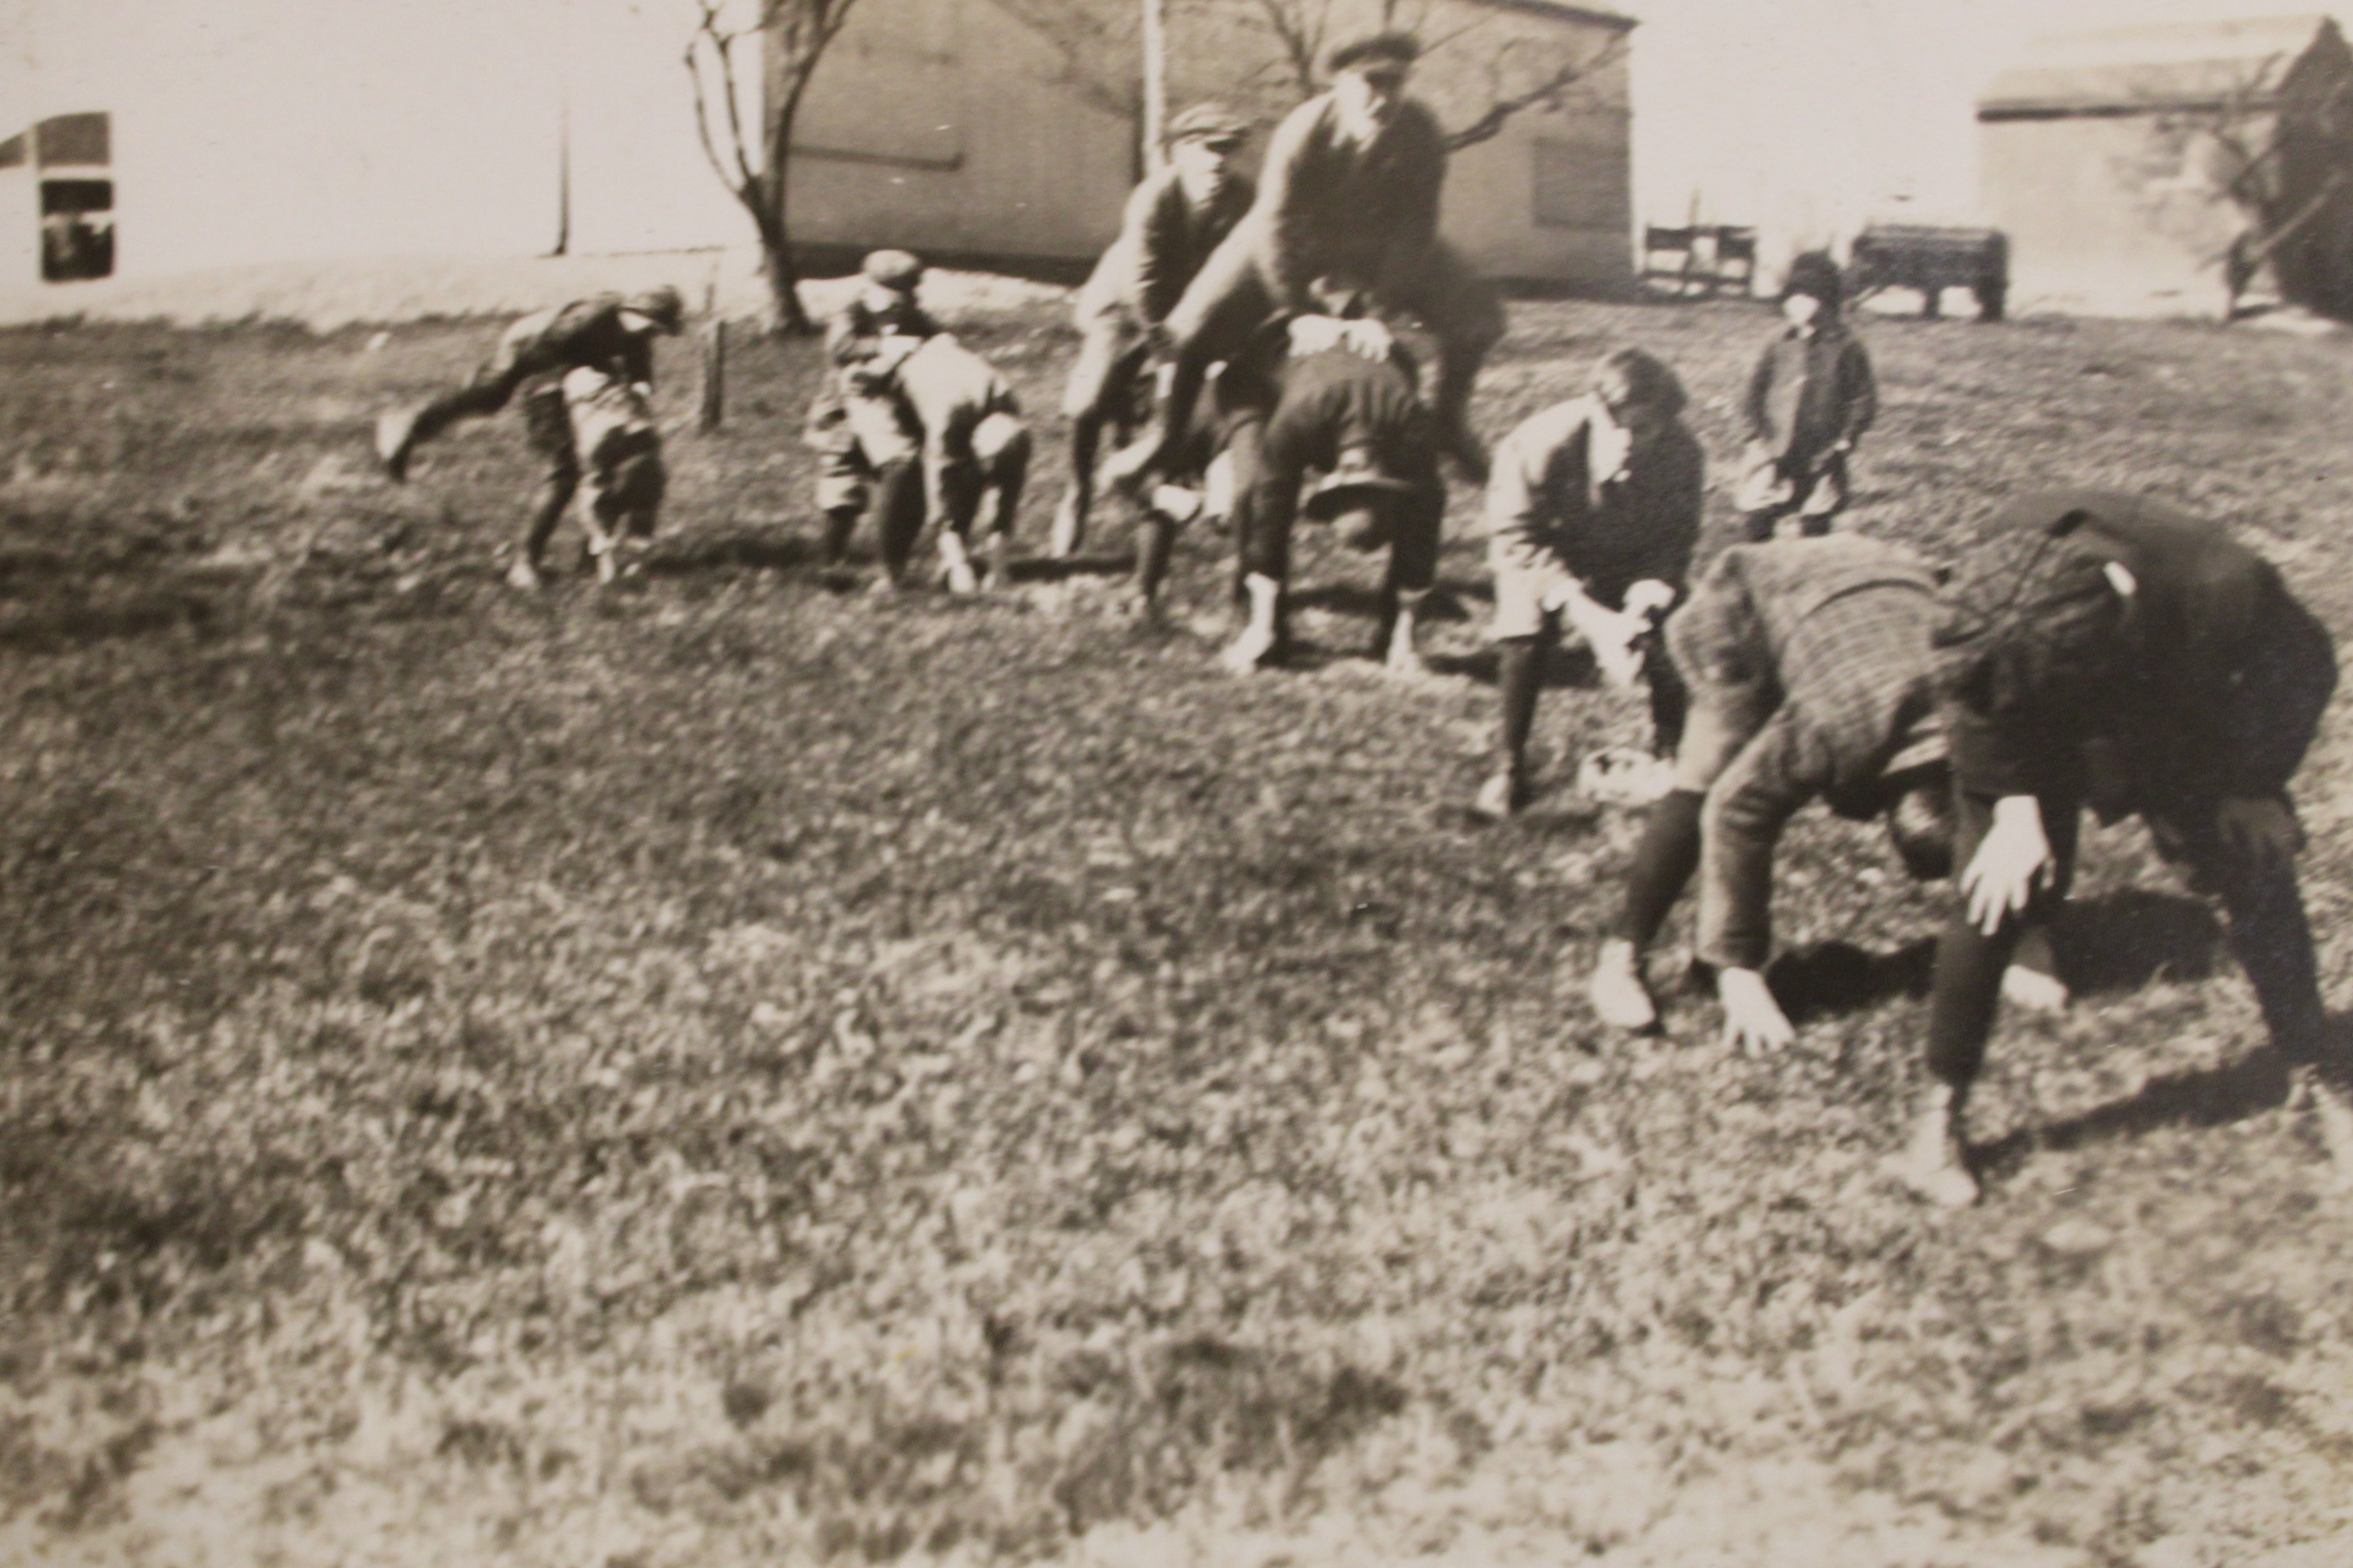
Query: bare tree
(752,153)
(2230,152)
(1489,78)
(1298,29)
(1523,75)
(1098,46)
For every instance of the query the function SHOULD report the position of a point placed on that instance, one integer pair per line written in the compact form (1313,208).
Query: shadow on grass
(1566,668)
(1834,977)
(1444,603)
(2205,1097)
(1046,569)
(2123,940)
(1478,667)
(57,627)
(2118,943)
(765,552)
(1562,814)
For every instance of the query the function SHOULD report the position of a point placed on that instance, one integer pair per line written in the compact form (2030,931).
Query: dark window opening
(76,230)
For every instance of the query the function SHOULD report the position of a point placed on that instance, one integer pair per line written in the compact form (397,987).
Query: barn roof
(2175,66)
(1593,16)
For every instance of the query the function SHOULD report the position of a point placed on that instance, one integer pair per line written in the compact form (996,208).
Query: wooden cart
(1699,260)
(1932,260)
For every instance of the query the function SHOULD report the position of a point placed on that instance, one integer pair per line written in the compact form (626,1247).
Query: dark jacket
(853,337)
(1327,204)
(856,330)
(587,333)
(1809,393)
(1337,399)
(1544,514)
(2206,681)
(1163,240)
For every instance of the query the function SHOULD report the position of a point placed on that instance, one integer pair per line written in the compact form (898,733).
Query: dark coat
(1326,203)
(1809,393)
(1163,240)
(2206,681)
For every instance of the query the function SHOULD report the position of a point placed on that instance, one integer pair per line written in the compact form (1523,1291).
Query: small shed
(2159,168)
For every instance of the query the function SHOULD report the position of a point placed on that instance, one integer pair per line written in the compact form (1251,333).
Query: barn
(163,136)
(2151,168)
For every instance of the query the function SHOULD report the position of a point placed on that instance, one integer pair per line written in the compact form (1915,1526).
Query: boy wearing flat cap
(1350,186)
(609,333)
(1809,400)
(866,443)
(1172,221)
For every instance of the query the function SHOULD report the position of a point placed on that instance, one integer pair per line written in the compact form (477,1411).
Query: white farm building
(156,137)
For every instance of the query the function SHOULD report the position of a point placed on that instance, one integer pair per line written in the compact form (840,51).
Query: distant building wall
(947,126)
(2126,163)
(2108,211)
(287,130)
(280,130)
(939,125)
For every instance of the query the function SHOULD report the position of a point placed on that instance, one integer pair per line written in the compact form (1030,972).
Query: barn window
(1575,184)
(76,230)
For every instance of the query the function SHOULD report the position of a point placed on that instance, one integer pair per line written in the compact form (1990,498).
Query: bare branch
(1301,38)
(796,33)
(1548,93)
(1095,43)
(710,32)
(702,125)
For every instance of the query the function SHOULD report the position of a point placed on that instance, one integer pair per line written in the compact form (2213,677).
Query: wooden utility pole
(1155,80)
(563,130)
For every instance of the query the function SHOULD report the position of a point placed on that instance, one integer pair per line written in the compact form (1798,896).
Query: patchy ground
(737,1073)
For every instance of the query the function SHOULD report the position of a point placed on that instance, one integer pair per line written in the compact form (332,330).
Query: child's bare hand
(1753,1023)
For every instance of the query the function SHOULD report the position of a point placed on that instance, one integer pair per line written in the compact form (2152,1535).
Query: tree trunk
(784,276)
(775,239)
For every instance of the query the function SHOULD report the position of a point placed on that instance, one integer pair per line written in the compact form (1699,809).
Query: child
(860,429)
(604,332)
(1345,401)
(622,476)
(1809,400)
(975,447)
(1592,515)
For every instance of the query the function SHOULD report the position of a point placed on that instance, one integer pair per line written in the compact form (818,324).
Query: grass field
(735,1072)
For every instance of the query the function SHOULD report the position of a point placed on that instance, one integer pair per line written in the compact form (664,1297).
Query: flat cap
(1394,46)
(661,306)
(894,269)
(1357,478)
(1210,121)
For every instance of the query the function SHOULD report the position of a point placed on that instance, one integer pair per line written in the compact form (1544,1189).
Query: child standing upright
(1809,400)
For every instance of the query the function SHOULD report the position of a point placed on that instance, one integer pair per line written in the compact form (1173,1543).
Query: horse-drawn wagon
(1932,258)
